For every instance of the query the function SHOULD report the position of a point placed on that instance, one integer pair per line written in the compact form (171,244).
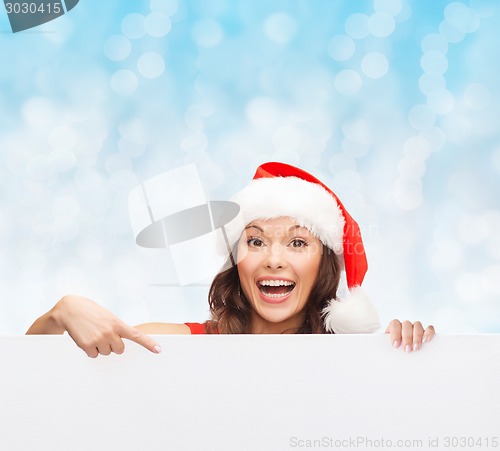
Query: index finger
(140,338)
(394,329)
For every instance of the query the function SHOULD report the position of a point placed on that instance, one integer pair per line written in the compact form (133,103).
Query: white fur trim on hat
(308,203)
(353,314)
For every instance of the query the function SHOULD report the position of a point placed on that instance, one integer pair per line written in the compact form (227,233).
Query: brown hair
(231,310)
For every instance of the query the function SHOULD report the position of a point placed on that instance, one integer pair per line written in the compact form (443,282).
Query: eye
(255,242)
(298,243)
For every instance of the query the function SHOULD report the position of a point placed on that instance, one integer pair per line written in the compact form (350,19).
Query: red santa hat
(279,189)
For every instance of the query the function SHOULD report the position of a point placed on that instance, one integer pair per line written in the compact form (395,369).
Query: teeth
(276,295)
(276,283)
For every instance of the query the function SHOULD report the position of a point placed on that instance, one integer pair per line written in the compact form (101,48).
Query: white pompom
(353,314)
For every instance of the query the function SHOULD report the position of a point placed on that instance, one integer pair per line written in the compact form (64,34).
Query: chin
(277,315)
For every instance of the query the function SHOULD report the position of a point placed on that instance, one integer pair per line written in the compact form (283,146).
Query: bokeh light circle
(461,17)
(434,62)
(280,28)
(341,47)
(374,65)
(431,82)
(124,82)
(117,47)
(151,65)
(434,42)
(157,24)
(348,82)
(392,7)
(168,7)
(381,24)
(417,146)
(134,26)
(421,117)
(450,33)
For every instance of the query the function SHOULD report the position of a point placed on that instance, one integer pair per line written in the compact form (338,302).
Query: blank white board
(251,393)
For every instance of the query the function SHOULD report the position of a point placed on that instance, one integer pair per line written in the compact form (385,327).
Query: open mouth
(275,288)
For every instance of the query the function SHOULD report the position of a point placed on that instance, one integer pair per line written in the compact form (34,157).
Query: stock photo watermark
(438,442)
(24,15)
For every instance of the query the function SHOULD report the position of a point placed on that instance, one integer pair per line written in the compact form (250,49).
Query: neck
(260,326)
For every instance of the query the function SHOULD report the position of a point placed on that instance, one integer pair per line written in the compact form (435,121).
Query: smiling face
(277,272)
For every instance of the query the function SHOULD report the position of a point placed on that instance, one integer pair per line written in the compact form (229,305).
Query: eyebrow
(254,226)
(294,227)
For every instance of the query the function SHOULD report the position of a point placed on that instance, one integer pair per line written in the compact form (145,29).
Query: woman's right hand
(93,328)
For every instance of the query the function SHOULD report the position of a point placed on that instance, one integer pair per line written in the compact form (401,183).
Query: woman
(283,276)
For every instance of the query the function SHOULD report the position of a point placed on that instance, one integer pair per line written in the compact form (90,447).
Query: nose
(275,257)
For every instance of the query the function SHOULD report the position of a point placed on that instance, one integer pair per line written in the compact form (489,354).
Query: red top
(196,328)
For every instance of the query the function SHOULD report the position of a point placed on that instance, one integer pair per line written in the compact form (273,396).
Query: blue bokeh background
(392,103)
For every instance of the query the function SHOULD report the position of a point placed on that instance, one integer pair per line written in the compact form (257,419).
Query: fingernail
(396,344)
(416,346)
(408,348)
(424,339)
(157,349)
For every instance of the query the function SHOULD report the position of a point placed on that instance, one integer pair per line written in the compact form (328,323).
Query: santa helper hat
(279,189)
